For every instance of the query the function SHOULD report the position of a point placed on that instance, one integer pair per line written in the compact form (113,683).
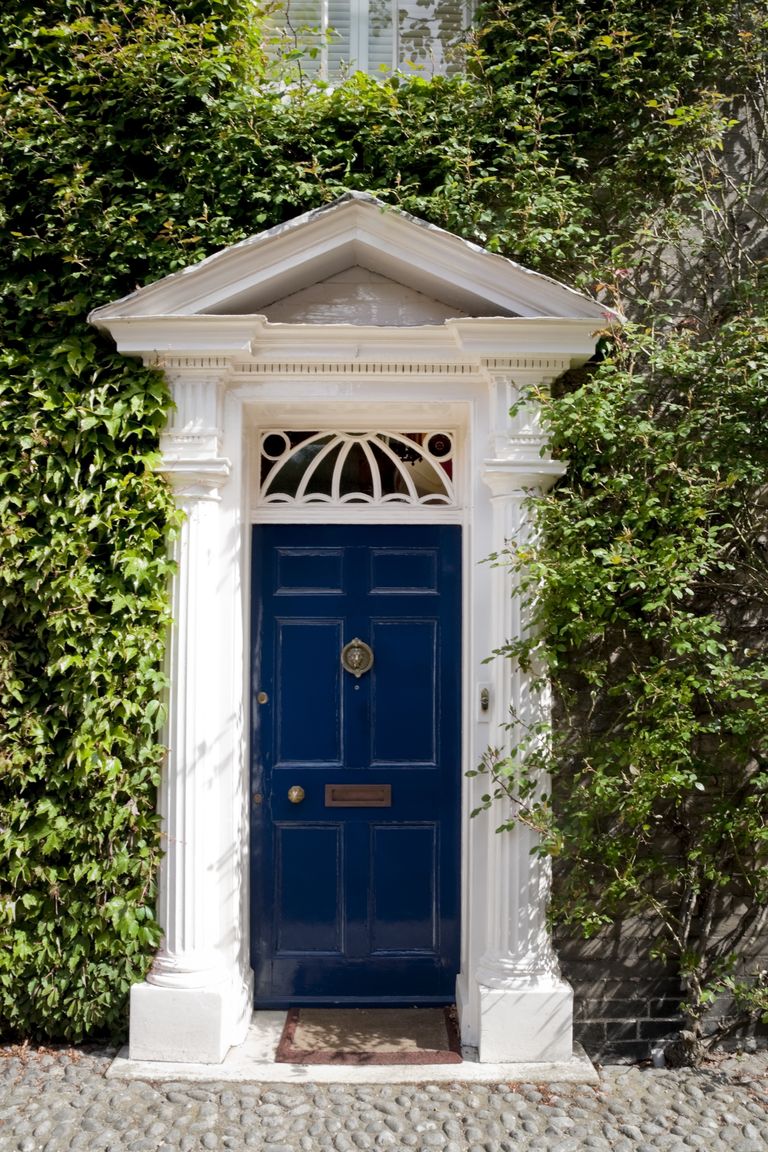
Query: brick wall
(626,1002)
(623,1001)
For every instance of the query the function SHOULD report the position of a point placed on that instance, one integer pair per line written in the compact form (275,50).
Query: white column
(526,1008)
(185,1008)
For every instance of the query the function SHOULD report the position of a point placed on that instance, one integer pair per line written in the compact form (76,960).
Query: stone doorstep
(254,1061)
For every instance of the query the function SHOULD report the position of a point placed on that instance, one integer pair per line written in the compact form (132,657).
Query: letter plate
(358,795)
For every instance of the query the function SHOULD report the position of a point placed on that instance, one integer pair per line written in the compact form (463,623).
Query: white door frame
(196,1000)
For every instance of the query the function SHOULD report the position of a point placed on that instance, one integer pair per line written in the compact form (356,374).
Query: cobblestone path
(60,1100)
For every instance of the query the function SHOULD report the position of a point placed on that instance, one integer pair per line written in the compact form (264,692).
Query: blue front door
(356,773)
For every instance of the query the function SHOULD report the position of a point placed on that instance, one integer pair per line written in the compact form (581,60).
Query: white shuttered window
(331,38)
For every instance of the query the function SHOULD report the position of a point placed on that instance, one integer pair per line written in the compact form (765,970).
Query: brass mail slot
(358,795)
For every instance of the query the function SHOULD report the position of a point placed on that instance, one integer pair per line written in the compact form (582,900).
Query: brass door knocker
(357,658)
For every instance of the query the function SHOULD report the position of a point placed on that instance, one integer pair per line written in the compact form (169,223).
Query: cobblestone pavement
(57,1100)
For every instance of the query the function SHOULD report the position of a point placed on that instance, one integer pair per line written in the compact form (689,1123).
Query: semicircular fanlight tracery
(379,467)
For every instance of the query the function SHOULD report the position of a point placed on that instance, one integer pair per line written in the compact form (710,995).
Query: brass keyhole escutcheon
(296,794)
(357,657)
(262,698)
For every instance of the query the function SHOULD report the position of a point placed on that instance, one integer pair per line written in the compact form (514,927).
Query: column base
(185,1025)
(466,1008)
(532,1023)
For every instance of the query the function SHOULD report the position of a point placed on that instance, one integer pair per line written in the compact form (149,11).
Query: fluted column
(525,1006)
(183,1010)
(518,943)
(188,800)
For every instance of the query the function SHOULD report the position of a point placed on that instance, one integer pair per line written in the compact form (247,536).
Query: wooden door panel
(404,701)
(407,571)
(308,692)
(307,571)
(403,871)
(308,909)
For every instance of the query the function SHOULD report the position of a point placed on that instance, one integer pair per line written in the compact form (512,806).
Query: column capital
(515,418)
(513,478)
(194,477)
(191,443)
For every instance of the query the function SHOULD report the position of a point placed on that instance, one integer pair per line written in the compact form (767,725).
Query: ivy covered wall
(609,145)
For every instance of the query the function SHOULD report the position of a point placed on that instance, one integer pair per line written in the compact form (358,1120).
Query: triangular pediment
(306,270)
(359,296)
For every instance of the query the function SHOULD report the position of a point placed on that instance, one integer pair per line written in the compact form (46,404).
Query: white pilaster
(187,1008)
(526,1008)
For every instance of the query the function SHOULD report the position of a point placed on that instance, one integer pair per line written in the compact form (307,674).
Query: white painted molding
(549,368)
(153,337)
(193,477)
(374,369)
(252,338)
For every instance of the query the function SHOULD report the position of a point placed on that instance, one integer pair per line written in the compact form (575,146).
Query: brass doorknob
(296,794)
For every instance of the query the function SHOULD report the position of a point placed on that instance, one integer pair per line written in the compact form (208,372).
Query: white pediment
(357,296)
(283,273)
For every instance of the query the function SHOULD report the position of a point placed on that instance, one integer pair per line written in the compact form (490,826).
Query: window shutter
(336,37)
(381,37)
(340,50)
(427,34)
(300,25)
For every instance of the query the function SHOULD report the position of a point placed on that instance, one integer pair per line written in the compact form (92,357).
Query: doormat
(370,1036)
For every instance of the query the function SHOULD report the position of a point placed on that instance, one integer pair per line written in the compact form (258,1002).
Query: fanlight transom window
(413,468)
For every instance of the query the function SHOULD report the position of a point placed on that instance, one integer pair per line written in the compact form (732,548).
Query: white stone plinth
(530,1024)
(181,1024)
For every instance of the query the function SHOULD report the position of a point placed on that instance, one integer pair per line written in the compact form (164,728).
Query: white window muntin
(337,468)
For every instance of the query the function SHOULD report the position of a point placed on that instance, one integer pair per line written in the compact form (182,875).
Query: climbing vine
(137,137)
(644,576)
(646,582)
